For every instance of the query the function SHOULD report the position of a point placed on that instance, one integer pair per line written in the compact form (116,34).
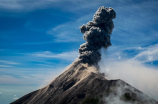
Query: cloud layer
(134,71)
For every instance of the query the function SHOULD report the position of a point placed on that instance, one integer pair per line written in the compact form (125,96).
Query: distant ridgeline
(96,34)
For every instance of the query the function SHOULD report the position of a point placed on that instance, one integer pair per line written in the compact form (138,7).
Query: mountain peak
(83,84)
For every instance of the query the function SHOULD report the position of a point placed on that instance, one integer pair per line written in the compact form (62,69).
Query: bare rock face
(83,84)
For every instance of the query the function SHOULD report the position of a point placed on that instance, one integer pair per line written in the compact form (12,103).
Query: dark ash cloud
(97,35)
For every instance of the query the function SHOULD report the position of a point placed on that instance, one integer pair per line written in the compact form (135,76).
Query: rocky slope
(83,84)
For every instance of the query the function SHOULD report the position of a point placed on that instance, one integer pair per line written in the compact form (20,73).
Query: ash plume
(97,35)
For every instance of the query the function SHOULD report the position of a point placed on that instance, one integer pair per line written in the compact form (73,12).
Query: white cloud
(10,80)
(8,62)
(40,4)
(25,77)
(5,66)
(148,55)
(71,56)
(15,98)
(25,5)
(133,70)
(69,32)
(126,25)
(136,74)
(5,63)
(5,79)
(134,24)
(40,79)
(45,65)
(65,33)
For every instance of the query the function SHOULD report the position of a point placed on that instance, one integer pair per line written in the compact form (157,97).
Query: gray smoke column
(97,35)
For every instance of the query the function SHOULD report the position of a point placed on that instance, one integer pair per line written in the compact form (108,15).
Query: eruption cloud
(97,35)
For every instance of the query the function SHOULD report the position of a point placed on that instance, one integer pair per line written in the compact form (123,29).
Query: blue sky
(38,39)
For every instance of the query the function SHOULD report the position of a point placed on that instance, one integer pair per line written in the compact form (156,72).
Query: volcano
(81,82)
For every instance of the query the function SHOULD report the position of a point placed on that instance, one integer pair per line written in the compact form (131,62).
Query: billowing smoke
(96,34)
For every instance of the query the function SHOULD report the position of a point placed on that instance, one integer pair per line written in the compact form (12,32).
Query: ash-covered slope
(82,84)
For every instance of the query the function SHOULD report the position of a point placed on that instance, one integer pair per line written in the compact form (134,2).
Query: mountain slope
(83,84)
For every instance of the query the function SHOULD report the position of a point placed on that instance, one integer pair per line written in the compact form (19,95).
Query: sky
(38,39)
